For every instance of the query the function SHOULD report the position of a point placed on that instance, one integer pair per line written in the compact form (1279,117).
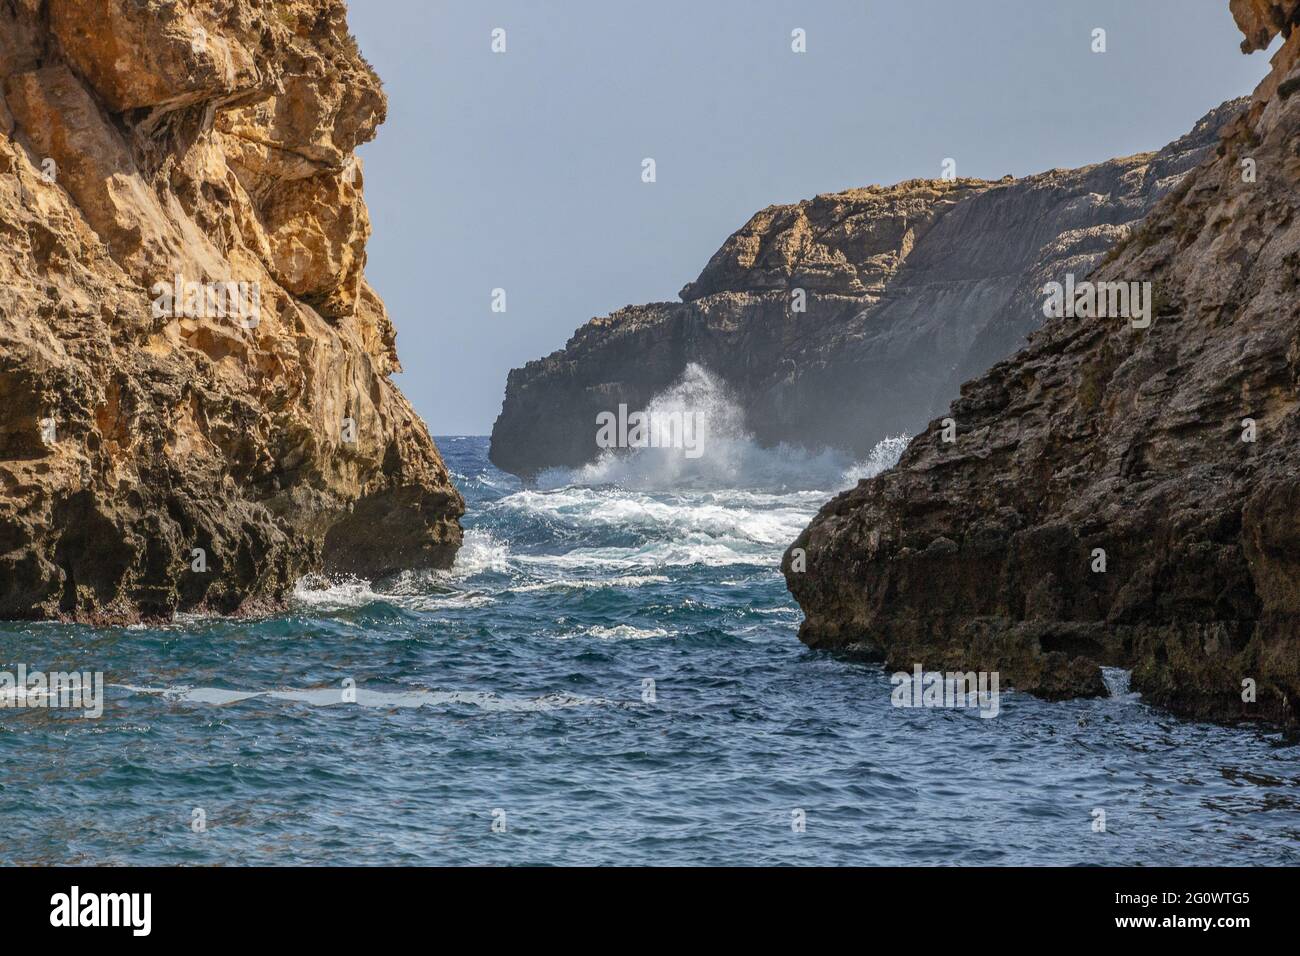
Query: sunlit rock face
(1114,494)
(841,320)
(195,407)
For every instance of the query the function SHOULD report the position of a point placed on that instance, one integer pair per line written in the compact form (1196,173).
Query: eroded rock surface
(908,291)
(146,140)
(1173,449)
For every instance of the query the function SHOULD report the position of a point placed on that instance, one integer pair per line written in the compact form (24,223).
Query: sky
(522,170)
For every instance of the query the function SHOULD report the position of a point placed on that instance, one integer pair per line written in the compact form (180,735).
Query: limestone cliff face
(1173,449)
(908,291)
(200,451)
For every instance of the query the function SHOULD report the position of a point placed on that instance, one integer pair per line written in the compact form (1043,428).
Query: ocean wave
(727,457)
(620,632)
(26,696)
(619,521)
(881,458)
(320,593)
(661,554)
(332,696)
(1117,680)
(424,590)
(481,553)
(579,510)
(578,584)
(412,591)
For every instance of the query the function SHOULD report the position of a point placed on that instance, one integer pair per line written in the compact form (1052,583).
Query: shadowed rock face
(141,141)
(909,290)
(982,553)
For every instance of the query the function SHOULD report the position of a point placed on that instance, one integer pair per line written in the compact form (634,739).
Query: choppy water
(516,683)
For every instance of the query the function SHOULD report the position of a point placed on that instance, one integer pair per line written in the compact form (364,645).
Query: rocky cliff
(1114,494)
(195,404)
(848,317)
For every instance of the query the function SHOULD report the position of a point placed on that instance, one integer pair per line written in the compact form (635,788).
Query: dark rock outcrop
(908,291)
(202,452)
(1114,495)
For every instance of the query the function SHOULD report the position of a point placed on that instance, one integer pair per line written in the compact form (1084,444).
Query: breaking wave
(629,519)
(729,457)
(363,697)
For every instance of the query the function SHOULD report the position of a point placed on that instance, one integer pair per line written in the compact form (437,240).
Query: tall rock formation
(195,404)
(1114,495)
(907,291)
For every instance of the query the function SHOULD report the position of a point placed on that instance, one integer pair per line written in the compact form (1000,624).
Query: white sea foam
(587,509)
(315,593)
(320,593)
(715,528)
(25,696)
(881,458)
(730,459)
(481,553)
(333,696)
(426,590)
(661,554)
(1117,680)
(620,632)
(738,504)
(582,584)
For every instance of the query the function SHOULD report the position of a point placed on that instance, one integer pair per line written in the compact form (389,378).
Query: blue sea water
(515,690)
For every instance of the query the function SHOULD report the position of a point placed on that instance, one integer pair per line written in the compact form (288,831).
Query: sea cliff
(1113,493)
(840,320)
(195,402)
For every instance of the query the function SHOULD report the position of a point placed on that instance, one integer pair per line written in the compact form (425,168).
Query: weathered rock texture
(980,553)
(145,139)
(909,291)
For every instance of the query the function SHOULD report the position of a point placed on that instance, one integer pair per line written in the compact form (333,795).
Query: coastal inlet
(607,675)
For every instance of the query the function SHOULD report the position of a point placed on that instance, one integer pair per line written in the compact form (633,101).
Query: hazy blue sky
(523,170)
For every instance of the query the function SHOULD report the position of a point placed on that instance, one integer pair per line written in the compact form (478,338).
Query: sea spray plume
(729,456)
(880,459)
(692,420)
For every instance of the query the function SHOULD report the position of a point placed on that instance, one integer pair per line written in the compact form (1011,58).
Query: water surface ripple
(517,683)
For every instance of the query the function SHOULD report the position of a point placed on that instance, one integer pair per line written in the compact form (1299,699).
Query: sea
(610,674)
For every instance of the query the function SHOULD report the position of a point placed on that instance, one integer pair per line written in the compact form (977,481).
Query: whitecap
(481,553)
(621,632)
(334,696)
(575,584)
